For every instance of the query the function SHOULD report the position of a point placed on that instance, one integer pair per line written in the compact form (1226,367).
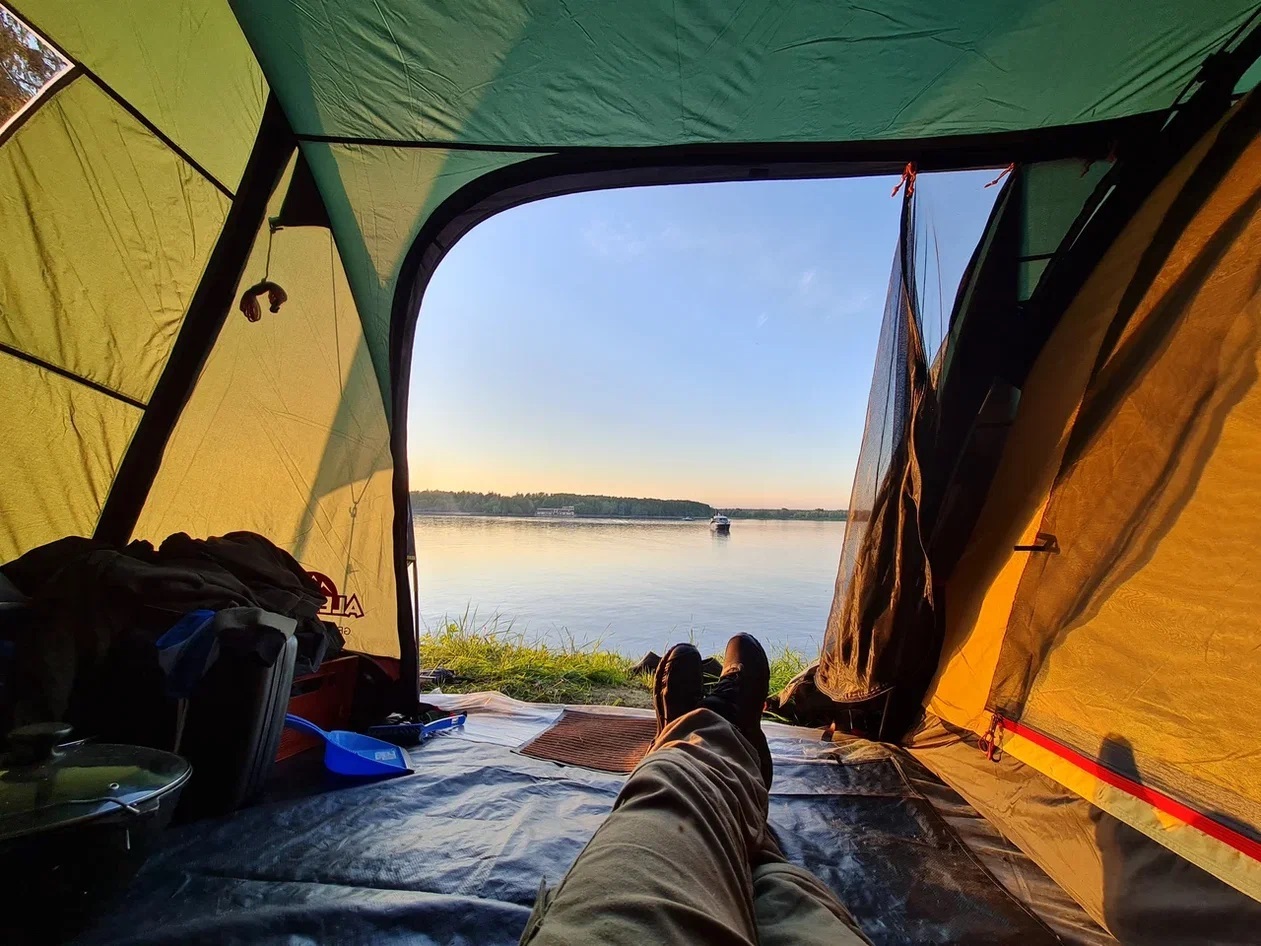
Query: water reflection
(635,585)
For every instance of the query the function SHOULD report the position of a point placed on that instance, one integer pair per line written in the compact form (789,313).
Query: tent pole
(402,336)
(207,312)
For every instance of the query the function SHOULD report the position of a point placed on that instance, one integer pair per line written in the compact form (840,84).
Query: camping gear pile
(115,641)
(1049,587)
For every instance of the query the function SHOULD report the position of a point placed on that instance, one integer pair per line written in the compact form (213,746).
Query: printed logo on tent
(336,605)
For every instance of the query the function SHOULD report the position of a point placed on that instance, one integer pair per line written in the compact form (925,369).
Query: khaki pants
(685,857)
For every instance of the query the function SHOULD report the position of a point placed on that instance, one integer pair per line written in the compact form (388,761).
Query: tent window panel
(106,236)
(60,445)
(1248,81)
(28,68)
(183,64)
(1053,196)
(882,597)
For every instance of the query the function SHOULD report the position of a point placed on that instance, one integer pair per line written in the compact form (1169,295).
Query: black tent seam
(157,132)
(127,106)
(41,98)
(1061,138)
(71,376)
(208,310)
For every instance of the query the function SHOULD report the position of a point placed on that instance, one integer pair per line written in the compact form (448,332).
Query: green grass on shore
(492,656)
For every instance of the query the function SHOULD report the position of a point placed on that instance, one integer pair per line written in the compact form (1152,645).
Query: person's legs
(792,907)
(685,856)
(671,862)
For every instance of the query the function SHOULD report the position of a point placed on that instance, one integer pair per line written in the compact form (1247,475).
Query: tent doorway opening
(595,375)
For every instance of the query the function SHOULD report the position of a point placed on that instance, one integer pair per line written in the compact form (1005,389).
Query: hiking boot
(740,694)
(677,686)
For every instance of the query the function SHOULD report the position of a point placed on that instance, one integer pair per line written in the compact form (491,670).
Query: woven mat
(594,741)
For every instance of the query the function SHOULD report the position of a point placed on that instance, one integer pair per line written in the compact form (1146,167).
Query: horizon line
(659,499)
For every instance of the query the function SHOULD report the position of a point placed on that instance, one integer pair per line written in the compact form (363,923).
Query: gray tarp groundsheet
(455,853)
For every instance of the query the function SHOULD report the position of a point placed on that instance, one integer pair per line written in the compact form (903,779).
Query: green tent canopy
(193,149)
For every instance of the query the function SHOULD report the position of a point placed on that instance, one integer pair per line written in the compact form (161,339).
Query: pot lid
(45,785)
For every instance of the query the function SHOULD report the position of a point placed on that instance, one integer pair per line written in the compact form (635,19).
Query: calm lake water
(634,586)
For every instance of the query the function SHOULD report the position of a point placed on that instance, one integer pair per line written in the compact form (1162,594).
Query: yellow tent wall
(125,196)
(285,435)
(1134,642)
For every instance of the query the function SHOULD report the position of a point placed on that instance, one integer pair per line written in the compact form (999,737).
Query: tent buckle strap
(1045,543)
(990,742)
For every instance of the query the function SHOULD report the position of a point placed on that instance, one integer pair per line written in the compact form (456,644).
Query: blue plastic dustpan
(348,753)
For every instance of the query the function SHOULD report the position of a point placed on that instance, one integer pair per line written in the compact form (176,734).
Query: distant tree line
(830,515)
(445,502)
(526,504)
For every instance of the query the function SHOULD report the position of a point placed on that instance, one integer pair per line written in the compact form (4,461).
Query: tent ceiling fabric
(285,435)
(459,77)
(78,253)
(552,74)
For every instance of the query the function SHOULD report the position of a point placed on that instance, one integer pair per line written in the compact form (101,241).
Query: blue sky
(711,342)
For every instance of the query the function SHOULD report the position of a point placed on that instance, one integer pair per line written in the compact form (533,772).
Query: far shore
(446,514)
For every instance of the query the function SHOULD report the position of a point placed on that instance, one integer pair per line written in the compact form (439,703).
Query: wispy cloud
(614,241)
(819,288)
(624,242)
(824,295)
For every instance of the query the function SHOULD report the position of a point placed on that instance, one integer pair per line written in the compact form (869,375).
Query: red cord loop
(1007,170)
(908,178)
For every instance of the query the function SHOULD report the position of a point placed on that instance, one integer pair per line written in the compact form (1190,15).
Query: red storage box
(325,698)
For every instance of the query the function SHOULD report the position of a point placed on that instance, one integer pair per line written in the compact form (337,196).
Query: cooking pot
(77,820)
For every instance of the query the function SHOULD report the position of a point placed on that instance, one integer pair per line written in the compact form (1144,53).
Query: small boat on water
(720,524)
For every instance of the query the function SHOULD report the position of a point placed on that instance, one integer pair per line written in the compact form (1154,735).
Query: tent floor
(455,853)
